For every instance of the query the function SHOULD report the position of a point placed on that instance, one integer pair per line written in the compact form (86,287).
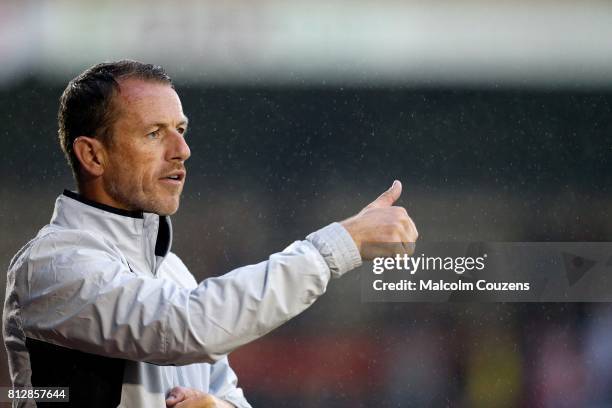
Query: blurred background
(496,116)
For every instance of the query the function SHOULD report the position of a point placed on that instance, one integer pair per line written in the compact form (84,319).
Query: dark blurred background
(516,148)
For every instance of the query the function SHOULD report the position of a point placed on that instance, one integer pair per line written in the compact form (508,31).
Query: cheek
(136,166)
(146,170)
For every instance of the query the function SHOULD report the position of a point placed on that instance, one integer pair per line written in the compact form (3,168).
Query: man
(97,302)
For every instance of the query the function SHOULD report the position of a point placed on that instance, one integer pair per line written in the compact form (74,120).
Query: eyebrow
(184,122)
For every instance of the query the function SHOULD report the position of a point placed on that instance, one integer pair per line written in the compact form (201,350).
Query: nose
(179,149)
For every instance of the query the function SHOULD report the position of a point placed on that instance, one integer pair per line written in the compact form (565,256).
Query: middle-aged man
(98,303)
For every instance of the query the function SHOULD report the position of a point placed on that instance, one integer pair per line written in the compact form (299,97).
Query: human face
(145,165)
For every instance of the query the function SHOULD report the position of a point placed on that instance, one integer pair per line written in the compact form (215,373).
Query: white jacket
(96,301)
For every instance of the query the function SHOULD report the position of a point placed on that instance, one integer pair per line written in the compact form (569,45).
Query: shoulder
(174,260)
(175,270)
(56,254)
(57,242)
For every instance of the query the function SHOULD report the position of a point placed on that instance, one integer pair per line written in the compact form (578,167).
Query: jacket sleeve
(224,384)
(76,292)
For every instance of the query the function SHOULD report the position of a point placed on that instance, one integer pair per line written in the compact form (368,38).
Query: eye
(154,134)
(181,130)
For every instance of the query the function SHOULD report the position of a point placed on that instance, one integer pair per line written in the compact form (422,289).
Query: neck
(93,190)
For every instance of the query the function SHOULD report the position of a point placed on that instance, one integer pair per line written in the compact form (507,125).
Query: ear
(91,154)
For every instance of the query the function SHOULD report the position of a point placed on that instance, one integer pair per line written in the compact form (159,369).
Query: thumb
(175,395)
(171,400)
(387,198)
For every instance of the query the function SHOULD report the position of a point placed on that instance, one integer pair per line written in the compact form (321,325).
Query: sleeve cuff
(337,248)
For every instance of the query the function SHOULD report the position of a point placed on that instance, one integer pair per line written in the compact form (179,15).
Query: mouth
(175,178)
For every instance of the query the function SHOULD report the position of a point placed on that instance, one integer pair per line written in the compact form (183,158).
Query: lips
(177,177)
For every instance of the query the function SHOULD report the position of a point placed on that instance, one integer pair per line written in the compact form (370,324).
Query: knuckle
(415,232)
(399,211)
(406,224)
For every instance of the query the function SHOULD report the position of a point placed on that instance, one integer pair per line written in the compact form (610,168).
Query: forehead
(141,102)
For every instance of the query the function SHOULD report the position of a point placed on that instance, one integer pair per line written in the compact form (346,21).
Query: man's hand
(386,229)
(183,397)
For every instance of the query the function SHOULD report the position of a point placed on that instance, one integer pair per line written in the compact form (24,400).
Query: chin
(167,207)
(167,210)
(170,212)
